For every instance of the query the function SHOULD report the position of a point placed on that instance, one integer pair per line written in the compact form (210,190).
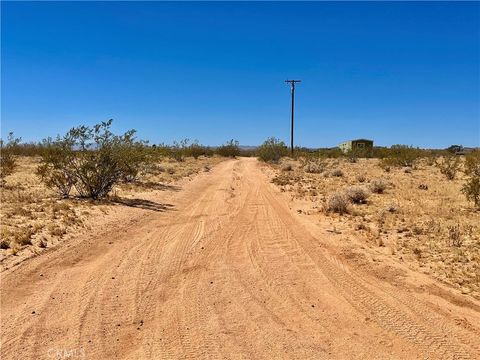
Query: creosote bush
(337,203)
(180,150)
(449,166)
(7,160)
(230,149)
(400,156)
(272,150)
(91,160)
(471,188)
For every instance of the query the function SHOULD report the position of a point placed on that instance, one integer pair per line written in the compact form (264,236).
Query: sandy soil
(227,271)
(412,225)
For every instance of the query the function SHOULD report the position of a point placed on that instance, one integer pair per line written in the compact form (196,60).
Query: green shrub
(195,150)
(56,169)
(357,153)
(177,150)
(230,149)
(272,150)
(92,160)
(401,156)
(7,159)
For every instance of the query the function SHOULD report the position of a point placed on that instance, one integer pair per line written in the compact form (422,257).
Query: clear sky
(404,73)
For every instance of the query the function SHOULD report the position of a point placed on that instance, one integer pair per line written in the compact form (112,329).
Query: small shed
(358,144)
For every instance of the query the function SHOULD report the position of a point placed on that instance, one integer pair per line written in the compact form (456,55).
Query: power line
(292,82)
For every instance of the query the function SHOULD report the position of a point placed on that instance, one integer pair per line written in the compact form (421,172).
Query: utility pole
(292,82)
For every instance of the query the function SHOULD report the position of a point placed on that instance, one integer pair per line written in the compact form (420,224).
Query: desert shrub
(337,173)
(333,153)
(177,150)
(337,203)
(134,158)
(401,156)
(4,244)
(161,150)
(471,188)
(357,153)
(195,150)
(312,164)
(449,166)
(378,186)
(230,149)
(455,235)
(56,170)
(361,178)
(272,150)
(27,149)
(92,160)
(357,194)
(182,149)
(24,236)
(7,160)
(472,163)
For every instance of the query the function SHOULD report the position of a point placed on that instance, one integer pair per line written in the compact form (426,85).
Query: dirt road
(228,272)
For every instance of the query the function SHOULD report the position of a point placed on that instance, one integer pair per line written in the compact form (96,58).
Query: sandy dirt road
(229,272)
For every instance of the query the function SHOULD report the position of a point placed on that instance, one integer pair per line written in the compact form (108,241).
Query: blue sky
(404,73)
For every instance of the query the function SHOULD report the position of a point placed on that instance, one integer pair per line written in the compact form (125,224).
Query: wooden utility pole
(292,82)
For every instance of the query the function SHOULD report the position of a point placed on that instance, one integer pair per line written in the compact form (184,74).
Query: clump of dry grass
(337,203)
(56,230)
(313,167)
(455,235)
(337,173)
(357,194)
(361,178)
(378,186)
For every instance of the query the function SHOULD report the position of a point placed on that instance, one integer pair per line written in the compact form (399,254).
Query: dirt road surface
(227,272)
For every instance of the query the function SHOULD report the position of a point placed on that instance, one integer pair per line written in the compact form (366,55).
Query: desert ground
(241,262)
(34,218)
